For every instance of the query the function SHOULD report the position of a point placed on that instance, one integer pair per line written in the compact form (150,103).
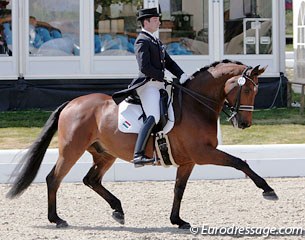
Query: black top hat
(148,13)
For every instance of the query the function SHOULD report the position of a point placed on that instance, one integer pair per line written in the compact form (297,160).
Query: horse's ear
(254,71)
(262,70)
(258,71)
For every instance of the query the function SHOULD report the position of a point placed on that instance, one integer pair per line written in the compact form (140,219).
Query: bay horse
(90,123)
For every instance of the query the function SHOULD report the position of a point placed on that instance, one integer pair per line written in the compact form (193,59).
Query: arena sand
(221,204)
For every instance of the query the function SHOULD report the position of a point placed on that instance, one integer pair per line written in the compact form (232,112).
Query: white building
(93,49)
(299,39)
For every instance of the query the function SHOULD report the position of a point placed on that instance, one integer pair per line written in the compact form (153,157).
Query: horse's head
(228,81)
(240,94)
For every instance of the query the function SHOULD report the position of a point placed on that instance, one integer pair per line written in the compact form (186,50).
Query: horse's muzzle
(239,122)
(244,124)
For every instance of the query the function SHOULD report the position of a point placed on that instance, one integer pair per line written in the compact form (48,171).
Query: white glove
(168,79)
(184,77)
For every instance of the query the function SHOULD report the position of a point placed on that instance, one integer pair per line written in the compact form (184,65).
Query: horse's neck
(211,84)
(207,85)
(203,97)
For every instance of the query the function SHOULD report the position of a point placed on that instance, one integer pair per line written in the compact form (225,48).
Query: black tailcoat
(152,61)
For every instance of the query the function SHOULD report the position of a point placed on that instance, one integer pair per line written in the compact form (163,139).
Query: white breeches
(150,98)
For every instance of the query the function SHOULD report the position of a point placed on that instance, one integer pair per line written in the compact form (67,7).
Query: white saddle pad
(129,114)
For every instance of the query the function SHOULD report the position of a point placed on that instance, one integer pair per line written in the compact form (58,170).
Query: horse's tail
(29,164)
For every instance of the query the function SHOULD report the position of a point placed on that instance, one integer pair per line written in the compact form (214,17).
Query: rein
(198,97)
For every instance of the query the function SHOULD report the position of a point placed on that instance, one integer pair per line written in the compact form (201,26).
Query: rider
(152,60)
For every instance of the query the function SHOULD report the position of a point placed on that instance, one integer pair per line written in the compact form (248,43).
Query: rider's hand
(168,79)
(184,77)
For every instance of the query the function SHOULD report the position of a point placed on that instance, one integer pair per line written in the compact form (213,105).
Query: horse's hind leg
(63,165)
(53,185)
(183,173)
(93,179)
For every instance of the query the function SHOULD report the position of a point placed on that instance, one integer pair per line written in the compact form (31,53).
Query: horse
(90,123)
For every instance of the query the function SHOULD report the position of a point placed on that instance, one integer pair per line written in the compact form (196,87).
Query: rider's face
(152,24)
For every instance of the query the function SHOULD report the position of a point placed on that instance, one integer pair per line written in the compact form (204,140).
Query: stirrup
(141,161)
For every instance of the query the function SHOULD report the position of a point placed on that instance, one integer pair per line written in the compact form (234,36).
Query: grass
(264,134)
(271,126)
(18,129)
(27,119)
(276,116)
(20,137)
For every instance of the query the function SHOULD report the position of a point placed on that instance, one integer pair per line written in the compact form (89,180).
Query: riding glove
(184,77)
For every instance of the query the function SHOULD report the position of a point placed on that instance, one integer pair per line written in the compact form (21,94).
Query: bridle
(237,106)
(232,109)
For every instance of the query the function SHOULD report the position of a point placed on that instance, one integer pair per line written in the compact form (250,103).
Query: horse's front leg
(183,174)
(217,157)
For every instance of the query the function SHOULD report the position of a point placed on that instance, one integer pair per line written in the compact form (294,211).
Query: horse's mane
(214,64)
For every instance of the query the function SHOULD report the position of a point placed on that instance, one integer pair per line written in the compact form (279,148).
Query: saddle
(131,117)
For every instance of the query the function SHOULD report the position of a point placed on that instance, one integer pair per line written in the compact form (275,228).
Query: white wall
(281,160)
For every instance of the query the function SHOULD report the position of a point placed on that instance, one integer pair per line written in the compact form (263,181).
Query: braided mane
(214,64)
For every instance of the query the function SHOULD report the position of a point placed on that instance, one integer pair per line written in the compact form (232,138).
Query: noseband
(237,106)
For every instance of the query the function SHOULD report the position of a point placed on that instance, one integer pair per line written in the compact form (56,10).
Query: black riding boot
(139,153)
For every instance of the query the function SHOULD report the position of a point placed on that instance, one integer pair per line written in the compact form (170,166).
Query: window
(115,26)
(6,36)
(184,28)
(54,27)
(299,65)
(248,26)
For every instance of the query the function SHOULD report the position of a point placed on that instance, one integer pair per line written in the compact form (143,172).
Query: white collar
(151,34)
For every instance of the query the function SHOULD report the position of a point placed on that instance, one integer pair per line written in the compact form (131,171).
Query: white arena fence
(278,160)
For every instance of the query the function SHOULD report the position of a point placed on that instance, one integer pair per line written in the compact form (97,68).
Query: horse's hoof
(185,226)
(119,217)
(62,224)
(270,196)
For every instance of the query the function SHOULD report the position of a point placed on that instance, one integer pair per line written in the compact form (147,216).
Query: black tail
(29,164)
